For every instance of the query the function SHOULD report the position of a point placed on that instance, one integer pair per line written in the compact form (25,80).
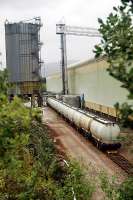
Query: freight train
(103,133)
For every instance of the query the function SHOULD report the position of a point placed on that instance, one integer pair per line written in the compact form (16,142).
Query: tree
(3,81)
(117,45)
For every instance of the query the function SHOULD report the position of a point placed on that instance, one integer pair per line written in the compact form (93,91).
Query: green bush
(75,184)
(29,165)
(115,191)
(126,190)
(124,111)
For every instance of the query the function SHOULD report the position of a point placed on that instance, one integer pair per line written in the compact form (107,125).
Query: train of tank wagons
(104,133)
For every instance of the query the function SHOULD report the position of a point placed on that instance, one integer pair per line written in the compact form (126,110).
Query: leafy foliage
(117,45)
(123,112)
(126,190)
(3,81)
(109,187)
(29,166)
(114,191)
(76,185)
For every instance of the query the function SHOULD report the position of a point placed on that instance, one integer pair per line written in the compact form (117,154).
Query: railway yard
(72,145)
(66,116)
(75,145)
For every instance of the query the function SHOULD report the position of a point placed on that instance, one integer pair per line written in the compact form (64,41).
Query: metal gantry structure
(63,30)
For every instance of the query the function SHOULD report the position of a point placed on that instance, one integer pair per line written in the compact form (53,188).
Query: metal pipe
(64,64)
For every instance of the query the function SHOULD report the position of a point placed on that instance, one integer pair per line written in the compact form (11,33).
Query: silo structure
(23,56)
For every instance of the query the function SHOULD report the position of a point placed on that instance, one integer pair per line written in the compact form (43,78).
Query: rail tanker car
(103,132)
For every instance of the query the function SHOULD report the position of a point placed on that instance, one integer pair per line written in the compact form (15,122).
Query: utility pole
(63,30)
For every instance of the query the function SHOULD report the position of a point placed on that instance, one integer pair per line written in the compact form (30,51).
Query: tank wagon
(104,133)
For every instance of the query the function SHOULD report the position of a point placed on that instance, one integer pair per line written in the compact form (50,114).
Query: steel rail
(121,162)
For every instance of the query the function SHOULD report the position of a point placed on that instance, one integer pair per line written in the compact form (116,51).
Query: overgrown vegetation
(125,112)
(114,191)
(29,166)
(117,46)
(3,82)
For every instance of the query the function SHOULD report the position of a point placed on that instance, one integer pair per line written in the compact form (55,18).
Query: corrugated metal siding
(22,52)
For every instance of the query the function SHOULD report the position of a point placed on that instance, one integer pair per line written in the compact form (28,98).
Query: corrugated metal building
(91,78)
(23,56)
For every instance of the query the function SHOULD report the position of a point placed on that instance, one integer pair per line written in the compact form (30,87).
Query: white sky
(75,12)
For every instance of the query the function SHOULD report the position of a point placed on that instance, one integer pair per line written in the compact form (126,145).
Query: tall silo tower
(23,56)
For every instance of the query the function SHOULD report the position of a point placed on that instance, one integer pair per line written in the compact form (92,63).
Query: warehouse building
(92,79)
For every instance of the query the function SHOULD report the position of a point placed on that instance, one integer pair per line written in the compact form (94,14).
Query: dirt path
(76,146)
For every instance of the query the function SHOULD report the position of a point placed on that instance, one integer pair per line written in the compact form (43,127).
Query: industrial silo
(23,56)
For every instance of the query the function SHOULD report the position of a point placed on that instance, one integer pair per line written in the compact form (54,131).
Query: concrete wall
(92,79)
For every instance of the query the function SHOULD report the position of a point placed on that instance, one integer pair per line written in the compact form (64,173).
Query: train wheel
(98,145)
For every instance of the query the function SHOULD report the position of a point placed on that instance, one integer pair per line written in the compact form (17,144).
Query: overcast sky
(75,12)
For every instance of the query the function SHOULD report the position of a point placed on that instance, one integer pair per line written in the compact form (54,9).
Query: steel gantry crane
(63,30)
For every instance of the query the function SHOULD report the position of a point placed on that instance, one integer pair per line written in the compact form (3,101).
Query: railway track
(121,162)
(118,159)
